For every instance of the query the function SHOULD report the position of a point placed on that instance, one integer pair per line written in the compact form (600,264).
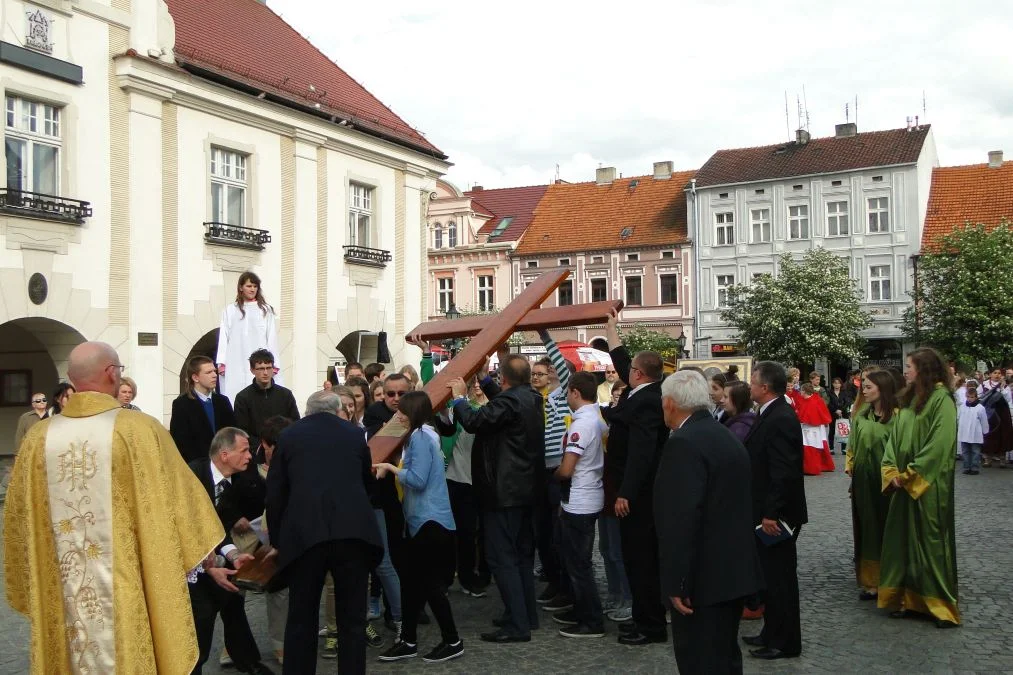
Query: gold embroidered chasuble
(103,520)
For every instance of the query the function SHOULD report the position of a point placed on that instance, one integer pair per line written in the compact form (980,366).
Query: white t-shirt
(583,438)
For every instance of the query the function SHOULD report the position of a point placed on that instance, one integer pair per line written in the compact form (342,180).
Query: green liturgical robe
(918,565)
(865,451)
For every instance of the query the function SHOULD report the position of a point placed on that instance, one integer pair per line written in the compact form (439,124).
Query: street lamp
(452,345)
(681,340)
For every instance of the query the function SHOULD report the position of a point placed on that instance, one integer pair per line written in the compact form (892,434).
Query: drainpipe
(696,266)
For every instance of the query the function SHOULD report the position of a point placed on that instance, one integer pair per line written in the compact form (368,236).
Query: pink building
(471,236)
(621,238)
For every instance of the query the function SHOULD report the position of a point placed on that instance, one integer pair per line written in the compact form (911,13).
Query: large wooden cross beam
(488,333)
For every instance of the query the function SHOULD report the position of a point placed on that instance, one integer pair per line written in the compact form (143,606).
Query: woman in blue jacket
(430,524)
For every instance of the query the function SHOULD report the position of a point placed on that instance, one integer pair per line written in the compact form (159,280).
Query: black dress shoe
(770,654)
(866,595)
(499,622)
(942,623)
(899,614)
(501,637)
(753,640)
(258,669)
(637,639)
(628,627)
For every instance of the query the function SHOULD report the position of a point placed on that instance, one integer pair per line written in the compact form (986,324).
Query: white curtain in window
(44,169)
(15,151)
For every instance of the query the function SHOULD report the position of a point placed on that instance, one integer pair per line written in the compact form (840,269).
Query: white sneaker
(622,613)
(224,660)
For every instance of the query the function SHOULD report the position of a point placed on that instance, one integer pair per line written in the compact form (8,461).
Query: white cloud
(509,91)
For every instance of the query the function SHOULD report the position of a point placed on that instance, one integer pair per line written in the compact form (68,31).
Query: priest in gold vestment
(103,521)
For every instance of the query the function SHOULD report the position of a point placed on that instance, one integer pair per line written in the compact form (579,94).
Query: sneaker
(224,660)
(330,648)
(401,650)
(559,604)
(548,595)
(375,609)
(582,631)
(444,652)
(567,618)
(622,613)
(474,593)
(279,656)
(611,602)
(323,632)
(397,631)
(373,639)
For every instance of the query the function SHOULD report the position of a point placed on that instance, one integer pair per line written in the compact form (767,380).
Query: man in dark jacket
(262,399)
(637,433)
(775,452)
(200,412)
(508,465)
(320,521)
(703,511)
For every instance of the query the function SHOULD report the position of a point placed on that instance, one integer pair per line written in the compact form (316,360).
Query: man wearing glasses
(30,419)
(605,388)
(263,398)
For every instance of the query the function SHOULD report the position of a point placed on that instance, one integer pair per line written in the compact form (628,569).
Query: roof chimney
(662,170)
(477,188)
(994,159)
(605,175)
(844,130)
(801,136)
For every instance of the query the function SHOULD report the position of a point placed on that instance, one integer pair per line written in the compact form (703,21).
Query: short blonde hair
(129,381)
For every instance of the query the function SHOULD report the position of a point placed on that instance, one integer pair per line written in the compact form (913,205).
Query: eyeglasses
(264,368)
(636,369)
(610,372)
(38,400)
(539,374)
(394,394)
(116,365)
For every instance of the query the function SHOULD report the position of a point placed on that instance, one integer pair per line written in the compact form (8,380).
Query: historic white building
(862,196)
(155,151)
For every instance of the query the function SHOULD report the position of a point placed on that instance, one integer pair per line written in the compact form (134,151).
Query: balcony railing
(361,255)
(47,207)
(234,235)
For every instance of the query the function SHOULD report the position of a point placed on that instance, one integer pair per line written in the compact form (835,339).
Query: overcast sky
(510,90)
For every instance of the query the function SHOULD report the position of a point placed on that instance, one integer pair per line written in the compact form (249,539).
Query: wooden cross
(488,333)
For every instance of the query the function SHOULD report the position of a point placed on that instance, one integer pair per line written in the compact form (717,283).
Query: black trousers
(208,600)
(707,641)
(546,514)
(422,582)
(640,557)
(782,620)
(575,536)
(510,545)
(471,565)
(349,561)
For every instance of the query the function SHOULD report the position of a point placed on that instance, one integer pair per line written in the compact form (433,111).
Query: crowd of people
(692,483)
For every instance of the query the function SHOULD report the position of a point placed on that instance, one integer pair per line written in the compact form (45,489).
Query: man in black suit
(236,497)
(775,450)
(508,466)
(703,510)
(199,412)
(321,521)
(637,433)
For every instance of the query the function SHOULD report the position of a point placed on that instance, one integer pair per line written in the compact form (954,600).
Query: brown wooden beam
(495,330)
(536,319)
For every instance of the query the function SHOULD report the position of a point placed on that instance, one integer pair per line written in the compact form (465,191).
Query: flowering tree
(964,295)
(810,311)
(640,339)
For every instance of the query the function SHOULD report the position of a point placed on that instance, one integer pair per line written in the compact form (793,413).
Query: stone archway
(33,358)
(359,345)
(207,346)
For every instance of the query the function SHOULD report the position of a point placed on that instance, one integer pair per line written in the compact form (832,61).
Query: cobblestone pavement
(840,633)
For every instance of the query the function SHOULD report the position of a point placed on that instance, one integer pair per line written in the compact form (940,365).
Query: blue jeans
(576,542)
(972,456)
(610,547)
(385,570)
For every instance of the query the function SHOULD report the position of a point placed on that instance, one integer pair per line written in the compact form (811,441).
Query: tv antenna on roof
(925,113)
(787,119)
(806,104)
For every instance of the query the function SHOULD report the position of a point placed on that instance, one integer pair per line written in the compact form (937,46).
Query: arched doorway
(33,358)
(360,346)
(207,346)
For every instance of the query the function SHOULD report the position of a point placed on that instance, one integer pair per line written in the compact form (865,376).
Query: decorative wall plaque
(38,288)
(38,33)
(147,339)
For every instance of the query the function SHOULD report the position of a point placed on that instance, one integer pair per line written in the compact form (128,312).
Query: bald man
(103,523)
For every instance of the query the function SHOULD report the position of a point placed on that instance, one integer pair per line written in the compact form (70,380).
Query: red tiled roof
(592,217)
(517,202)
(245,41)
(818,156)
(974,193)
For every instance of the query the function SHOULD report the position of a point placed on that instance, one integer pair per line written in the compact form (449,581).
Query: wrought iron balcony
(46,207)
(234,235)
(361,255)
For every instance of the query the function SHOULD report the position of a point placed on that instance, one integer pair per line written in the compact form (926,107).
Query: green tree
(964,295)
(810,311)
(639,339)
